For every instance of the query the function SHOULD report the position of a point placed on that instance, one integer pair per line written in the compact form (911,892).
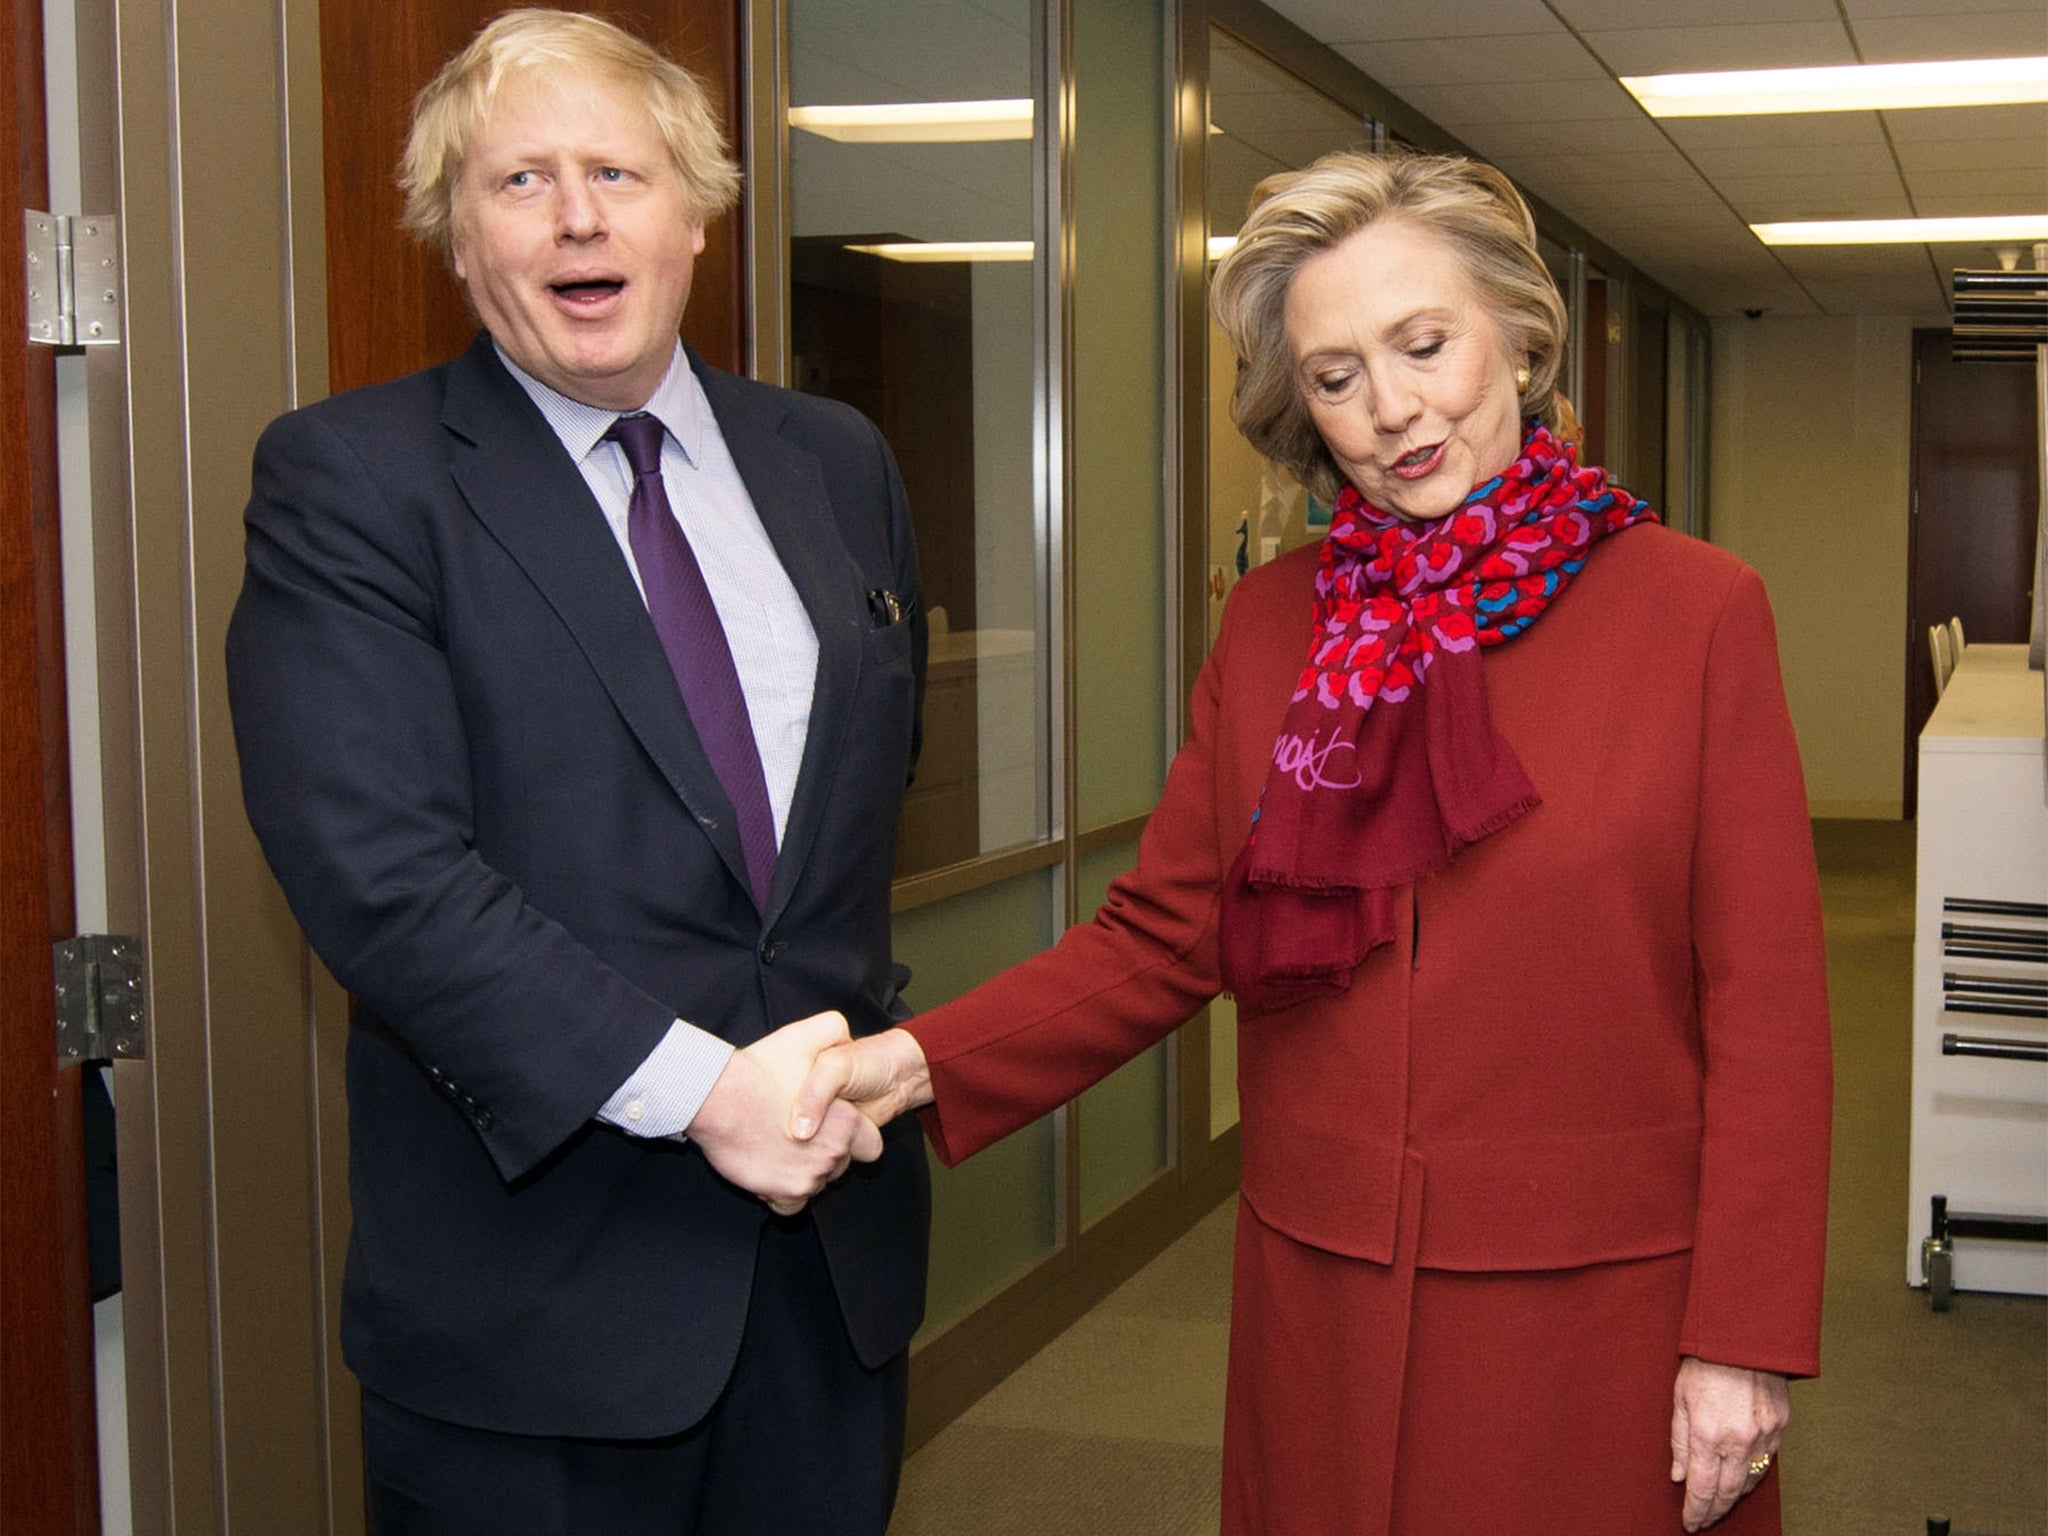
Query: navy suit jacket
(469,765)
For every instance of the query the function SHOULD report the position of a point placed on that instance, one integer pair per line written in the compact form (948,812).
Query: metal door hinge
(99,999)
(73,262)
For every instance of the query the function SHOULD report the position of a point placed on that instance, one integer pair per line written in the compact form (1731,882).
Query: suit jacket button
(770,948)
(483,1119)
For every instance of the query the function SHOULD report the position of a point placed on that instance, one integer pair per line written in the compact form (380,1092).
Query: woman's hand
(1724,1421)
(880,1075)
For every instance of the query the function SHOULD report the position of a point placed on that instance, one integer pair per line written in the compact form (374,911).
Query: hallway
(1116,1426)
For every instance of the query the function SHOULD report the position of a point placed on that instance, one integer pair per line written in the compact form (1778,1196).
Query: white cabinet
(1980,1123)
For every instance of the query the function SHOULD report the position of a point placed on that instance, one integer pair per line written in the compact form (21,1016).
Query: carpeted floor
(1116,1426)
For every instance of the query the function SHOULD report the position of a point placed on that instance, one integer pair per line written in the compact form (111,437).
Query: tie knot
(640,436)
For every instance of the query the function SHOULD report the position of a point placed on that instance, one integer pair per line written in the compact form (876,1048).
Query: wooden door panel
(1975,494)
(48,1460)
(392,305)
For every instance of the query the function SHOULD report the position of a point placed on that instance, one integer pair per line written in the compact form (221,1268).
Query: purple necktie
(687,621)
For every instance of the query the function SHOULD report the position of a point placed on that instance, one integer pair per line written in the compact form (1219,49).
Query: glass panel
(941,354)
(1647,405)
(1124,1118)
(1222,1065)
(1263,120)
(1119,520)
(1603,336)
(995,1215)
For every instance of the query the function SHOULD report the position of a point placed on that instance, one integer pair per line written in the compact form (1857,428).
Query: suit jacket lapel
(510,467)
(787,486)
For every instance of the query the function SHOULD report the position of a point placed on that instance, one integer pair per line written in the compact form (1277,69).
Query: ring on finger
(1761,1465)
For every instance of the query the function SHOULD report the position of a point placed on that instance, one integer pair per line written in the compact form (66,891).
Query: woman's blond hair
(1296,215)
(455,105)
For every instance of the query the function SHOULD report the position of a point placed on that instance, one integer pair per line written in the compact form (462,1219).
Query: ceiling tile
(1774,130)
(1574,137)
(1971,35)
(1904,293)
(1999,190)
(1769,199)
(1346,21)
(1975,155)
(1626,168)
(1867,159)
(1858,9)
(1509,78)
(2029,123)
(1964,206)
(1720,291)
(1667,192)
(1842,263)
(1620,15)
(1751,45)
(1460,61)
(1797,158)
(1522,101)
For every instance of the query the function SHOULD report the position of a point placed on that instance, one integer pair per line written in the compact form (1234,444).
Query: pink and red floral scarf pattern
(1378,779)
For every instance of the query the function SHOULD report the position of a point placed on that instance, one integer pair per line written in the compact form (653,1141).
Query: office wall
(1809,465)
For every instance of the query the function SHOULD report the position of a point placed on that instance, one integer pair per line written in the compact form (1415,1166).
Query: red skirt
(1376,1400)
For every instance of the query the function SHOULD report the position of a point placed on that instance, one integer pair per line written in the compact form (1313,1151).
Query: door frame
(200,128)
(49,1477)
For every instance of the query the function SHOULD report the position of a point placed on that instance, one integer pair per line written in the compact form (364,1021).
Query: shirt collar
(678,403)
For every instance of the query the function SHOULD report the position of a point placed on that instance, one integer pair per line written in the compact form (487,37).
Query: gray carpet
(1116,1426)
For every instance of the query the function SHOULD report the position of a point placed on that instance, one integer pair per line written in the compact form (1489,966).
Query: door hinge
(99,999)
(73,263)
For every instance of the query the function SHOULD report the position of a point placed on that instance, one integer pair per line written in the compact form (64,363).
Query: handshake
(792,1111)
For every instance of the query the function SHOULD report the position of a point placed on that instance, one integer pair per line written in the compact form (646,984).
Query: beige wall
(1810,451)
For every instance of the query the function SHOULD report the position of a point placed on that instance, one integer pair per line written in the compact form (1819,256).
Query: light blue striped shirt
(774,650)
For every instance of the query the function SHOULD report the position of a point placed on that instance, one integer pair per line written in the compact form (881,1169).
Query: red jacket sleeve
(1035,1036)
(1762,992)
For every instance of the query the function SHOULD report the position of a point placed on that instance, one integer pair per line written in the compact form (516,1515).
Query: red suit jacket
(1603,1029)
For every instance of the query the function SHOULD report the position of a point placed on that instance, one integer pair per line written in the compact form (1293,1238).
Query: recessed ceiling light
(918,122)
(2032,226)
(1847,88)
(949,250)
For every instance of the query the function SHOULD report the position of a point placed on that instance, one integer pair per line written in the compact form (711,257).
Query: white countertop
(1993,703)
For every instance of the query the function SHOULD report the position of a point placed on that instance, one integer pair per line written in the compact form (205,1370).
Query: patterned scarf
(1362,799)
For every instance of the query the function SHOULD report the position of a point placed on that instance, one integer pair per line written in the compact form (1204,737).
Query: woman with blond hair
(1492,820)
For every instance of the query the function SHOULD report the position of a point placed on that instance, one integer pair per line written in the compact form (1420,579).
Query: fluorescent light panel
(1848,88)
(949,250)
(918,122)
(1988,231)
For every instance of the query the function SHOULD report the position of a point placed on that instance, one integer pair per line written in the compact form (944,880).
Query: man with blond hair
(576,684)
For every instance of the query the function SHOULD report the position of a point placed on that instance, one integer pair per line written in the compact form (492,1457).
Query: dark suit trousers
(804,1441)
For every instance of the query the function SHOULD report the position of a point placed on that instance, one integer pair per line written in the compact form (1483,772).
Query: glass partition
(913,283)
(1126,1134)
(1262,119)
(975,205)
(997,1214)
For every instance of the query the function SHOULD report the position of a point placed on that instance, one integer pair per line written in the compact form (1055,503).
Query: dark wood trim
(972,874)
(1111,834)
(949,1373)
(1918,662)
(48,1462)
